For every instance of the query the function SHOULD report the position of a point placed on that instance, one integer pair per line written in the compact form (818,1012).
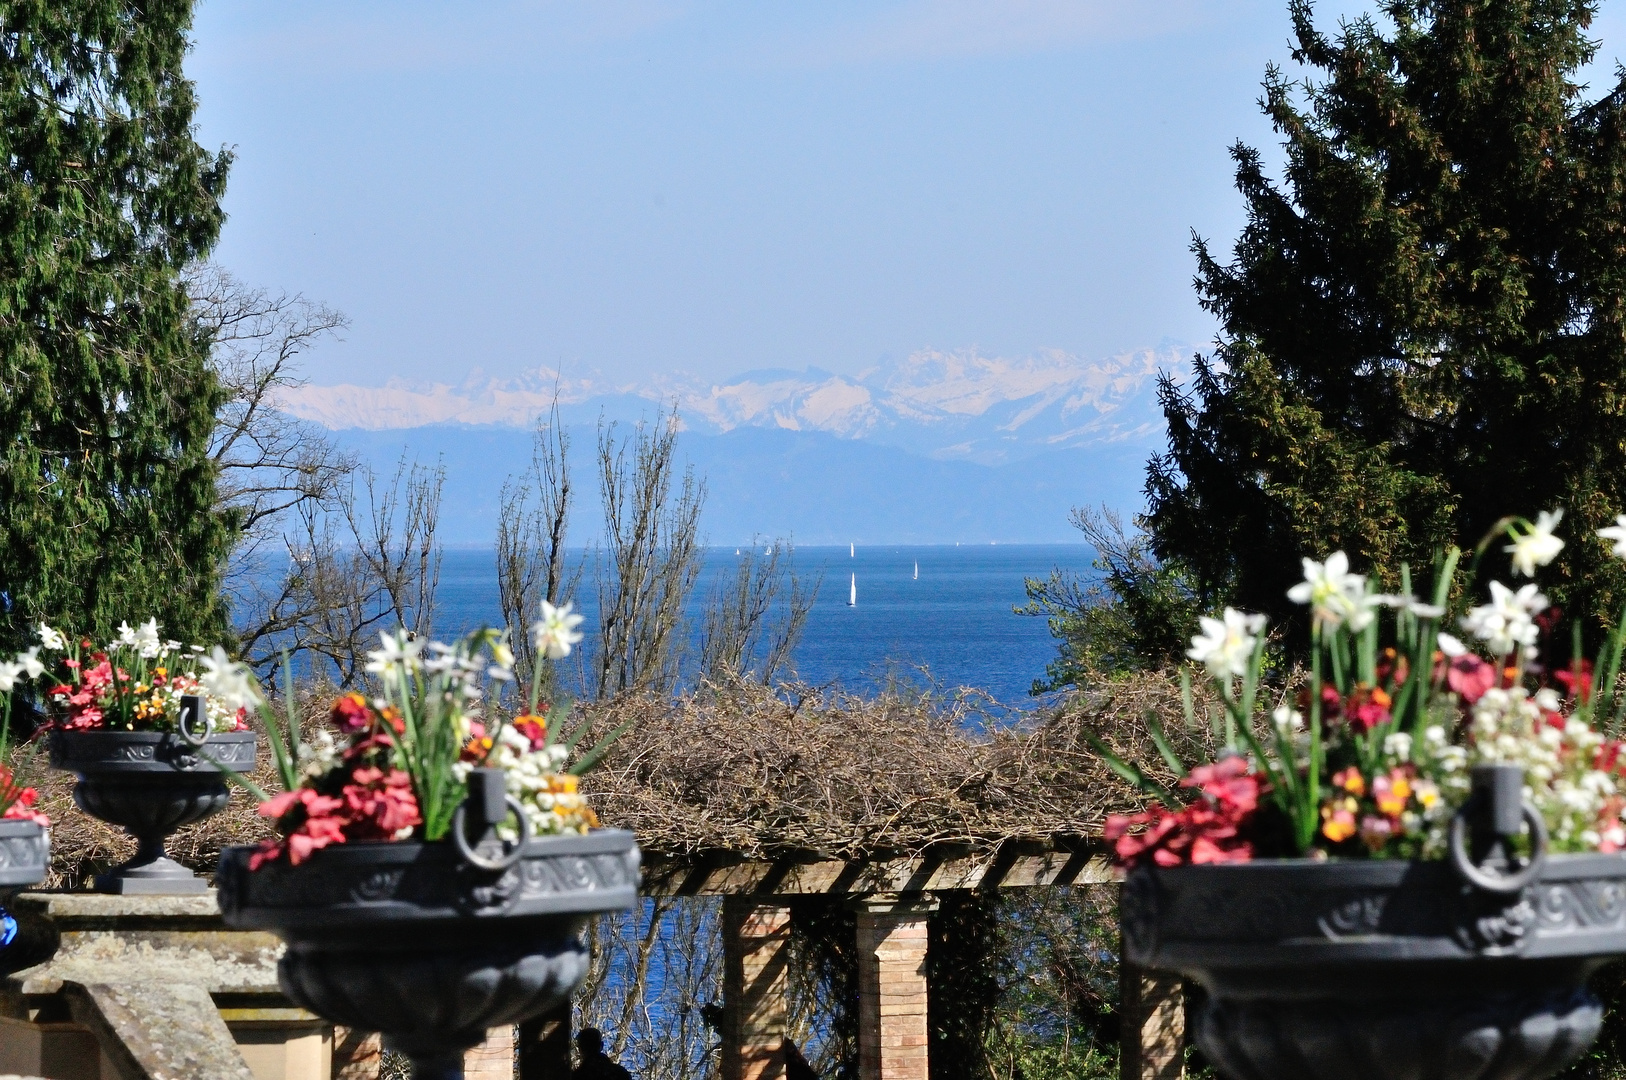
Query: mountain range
(937,447)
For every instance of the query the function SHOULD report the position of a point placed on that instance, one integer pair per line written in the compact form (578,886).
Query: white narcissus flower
(1450,646)
(1506,623)
(30,662)
(146,639)
(8,675)
(126,635)
(395,650)
(1539,546)
(1334,594)
(1617,533)
(227,681)
(53,639)
(554,635)
(1226,645)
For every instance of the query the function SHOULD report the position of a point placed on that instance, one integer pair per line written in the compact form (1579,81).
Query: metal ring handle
(186,735)
(511,856)
(1499,883)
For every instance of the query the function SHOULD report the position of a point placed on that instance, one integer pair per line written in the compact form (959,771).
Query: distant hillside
(815,486)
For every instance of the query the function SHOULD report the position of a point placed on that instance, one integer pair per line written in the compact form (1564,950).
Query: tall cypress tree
(1424,328)
(106,490)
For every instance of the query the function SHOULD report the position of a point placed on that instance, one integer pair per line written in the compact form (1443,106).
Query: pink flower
(1470,677)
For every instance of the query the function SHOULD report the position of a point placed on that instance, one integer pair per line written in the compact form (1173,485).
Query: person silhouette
(595,1064)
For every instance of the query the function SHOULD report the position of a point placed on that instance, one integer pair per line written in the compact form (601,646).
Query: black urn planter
(150,783)
(417,942)
(1383,969)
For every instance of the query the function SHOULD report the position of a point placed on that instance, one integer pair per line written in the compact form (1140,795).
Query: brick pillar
(754,1010)
(892,1026)
(1152,1024)
(544,1045)
(357,1055)
(492,1059)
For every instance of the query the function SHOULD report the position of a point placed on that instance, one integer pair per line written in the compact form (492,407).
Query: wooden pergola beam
(1007,868)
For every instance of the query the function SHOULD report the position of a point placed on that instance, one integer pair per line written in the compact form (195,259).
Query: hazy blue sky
(646,186)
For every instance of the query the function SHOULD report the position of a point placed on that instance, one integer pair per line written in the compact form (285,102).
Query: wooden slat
(996,870)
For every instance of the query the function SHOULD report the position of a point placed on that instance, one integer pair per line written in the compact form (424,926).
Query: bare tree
(272,469)
(367,566)
(652,555)
(531,530)
(653,973)
(754,618)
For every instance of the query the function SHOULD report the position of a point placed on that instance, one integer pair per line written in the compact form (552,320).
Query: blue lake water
(955,620)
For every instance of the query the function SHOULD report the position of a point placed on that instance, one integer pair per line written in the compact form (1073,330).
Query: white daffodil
(126,635)
(1334,594)
(1288,718)
(8,675)
(1226,645)
(53,639)
(1539,546)
(227,681)
(1449,645)
(30,662)
(400,650)
(1507,622)
(554,635)
(147,642)
(502,655)
(1617,533)
(1420,610)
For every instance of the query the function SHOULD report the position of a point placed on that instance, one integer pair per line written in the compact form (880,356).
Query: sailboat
(852,551)
(917,569)
(852,594)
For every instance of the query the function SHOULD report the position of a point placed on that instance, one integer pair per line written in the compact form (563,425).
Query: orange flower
(1350,780)
(1338,822)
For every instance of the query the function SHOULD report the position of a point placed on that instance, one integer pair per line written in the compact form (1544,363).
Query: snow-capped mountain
(955,405)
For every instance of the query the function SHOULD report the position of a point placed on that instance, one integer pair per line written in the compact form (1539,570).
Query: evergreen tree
(1424,329)
(106,489)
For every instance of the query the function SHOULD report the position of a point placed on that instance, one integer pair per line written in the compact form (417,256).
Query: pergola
(892,899)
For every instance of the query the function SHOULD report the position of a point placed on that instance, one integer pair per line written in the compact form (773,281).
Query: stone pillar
(1152,1024)
(754,973)
(492,1059)
(357,1055)
(893,1031)
(544,1046)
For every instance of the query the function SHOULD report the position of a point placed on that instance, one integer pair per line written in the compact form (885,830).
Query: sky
(641,187)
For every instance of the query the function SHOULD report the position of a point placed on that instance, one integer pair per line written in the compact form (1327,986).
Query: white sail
(852,551)
(917,570)
(852,594)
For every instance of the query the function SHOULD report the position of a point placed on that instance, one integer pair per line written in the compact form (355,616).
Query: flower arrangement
(17,799)
(1370,757)
(136,682)
(396,766)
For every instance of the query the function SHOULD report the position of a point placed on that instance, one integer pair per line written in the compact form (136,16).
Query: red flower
(1576,681)
(1368,708)
(1470,677)
(351,713)
(533,728)
(1210,829)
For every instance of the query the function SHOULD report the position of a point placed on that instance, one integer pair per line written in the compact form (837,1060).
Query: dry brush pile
(762,772)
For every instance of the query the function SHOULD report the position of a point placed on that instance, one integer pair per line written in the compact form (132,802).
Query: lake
(955,621)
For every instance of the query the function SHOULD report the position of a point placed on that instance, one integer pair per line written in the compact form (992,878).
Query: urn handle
(192,715)
(1493,815)
(490,805)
